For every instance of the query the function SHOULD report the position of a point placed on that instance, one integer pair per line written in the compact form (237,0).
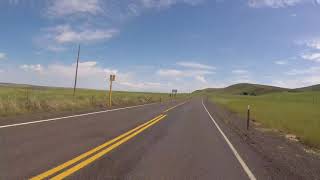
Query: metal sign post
(112,78)
(174,92)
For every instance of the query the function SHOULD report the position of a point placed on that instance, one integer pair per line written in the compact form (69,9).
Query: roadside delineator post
(248,117)
(112,78)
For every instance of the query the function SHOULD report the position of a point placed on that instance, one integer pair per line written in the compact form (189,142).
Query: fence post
(248,117)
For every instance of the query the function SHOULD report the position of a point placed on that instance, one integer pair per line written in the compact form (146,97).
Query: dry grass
(16,100)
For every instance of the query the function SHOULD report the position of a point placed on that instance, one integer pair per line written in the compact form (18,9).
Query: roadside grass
(16,100)
(291,112)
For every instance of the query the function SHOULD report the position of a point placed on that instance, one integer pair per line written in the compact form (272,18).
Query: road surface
(176,140)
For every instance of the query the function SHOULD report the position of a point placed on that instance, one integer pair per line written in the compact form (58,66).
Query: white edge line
(66,117)
(236,154)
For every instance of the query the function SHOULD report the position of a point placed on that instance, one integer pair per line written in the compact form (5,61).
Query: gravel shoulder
(281,156)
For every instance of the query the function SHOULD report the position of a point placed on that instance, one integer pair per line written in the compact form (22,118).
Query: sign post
(174,92)
(112,78)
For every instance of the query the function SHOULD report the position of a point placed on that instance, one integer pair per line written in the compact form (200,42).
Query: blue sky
(159,45)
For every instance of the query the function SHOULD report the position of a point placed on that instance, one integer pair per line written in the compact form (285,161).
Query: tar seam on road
(113,144)
(73,116)
(233,149)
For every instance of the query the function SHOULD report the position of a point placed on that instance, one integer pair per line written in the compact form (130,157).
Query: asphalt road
(160,141)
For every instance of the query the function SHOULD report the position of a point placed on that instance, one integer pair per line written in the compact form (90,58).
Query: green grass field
(293,112)
(18,99)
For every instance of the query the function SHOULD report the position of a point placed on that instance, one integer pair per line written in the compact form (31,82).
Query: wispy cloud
(281,62)
(299,77)
(239,71)
(195,65)
(90,75)
(166,3)
(32,67)
(182,73)
(201,79)
(274,3)
(66,34)
(110,8)
(91,21)
(59,8)
(315,43)
(58,37)
(3,56)
(171,73)
(311,56)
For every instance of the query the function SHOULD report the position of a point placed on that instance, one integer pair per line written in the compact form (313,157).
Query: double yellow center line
(98,152)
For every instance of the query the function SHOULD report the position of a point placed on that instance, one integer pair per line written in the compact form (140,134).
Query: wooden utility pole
(76,76)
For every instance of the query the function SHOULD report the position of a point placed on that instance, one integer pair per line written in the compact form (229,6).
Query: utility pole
(76,76)
(112,78)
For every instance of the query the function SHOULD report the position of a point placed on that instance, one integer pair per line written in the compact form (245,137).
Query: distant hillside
(245,89)
(25,86)
(309,88)
(255,89)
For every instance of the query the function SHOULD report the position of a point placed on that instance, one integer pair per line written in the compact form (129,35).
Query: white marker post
(112,78)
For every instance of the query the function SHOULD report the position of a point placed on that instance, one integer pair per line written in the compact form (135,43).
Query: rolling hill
(255,89)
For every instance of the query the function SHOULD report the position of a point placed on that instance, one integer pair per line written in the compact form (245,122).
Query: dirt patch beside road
(282,157)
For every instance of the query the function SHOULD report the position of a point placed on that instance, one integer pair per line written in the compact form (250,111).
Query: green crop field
(20,99)
(291,112)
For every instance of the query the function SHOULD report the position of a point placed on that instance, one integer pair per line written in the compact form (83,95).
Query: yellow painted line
(174,107)
(84,155)
(86,162)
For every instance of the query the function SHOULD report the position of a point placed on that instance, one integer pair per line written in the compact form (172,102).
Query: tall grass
(24,100)
(297,113)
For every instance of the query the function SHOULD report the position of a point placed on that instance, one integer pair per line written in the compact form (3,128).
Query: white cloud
(299,78)
(201,79)
(311,57)
(174,73)
(239,71)
(185,75)
(90,75)
(195,65)
(57,39)
(280,62)
(308,71)
(32,67)
(274,3)
(3,56)
(166,3)
(171,73)
(108,8)
(315,44)
(66,34)
(58,8)
(55,48)
(137,7)
(141,85)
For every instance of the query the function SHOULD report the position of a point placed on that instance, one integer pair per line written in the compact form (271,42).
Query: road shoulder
(271,155)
